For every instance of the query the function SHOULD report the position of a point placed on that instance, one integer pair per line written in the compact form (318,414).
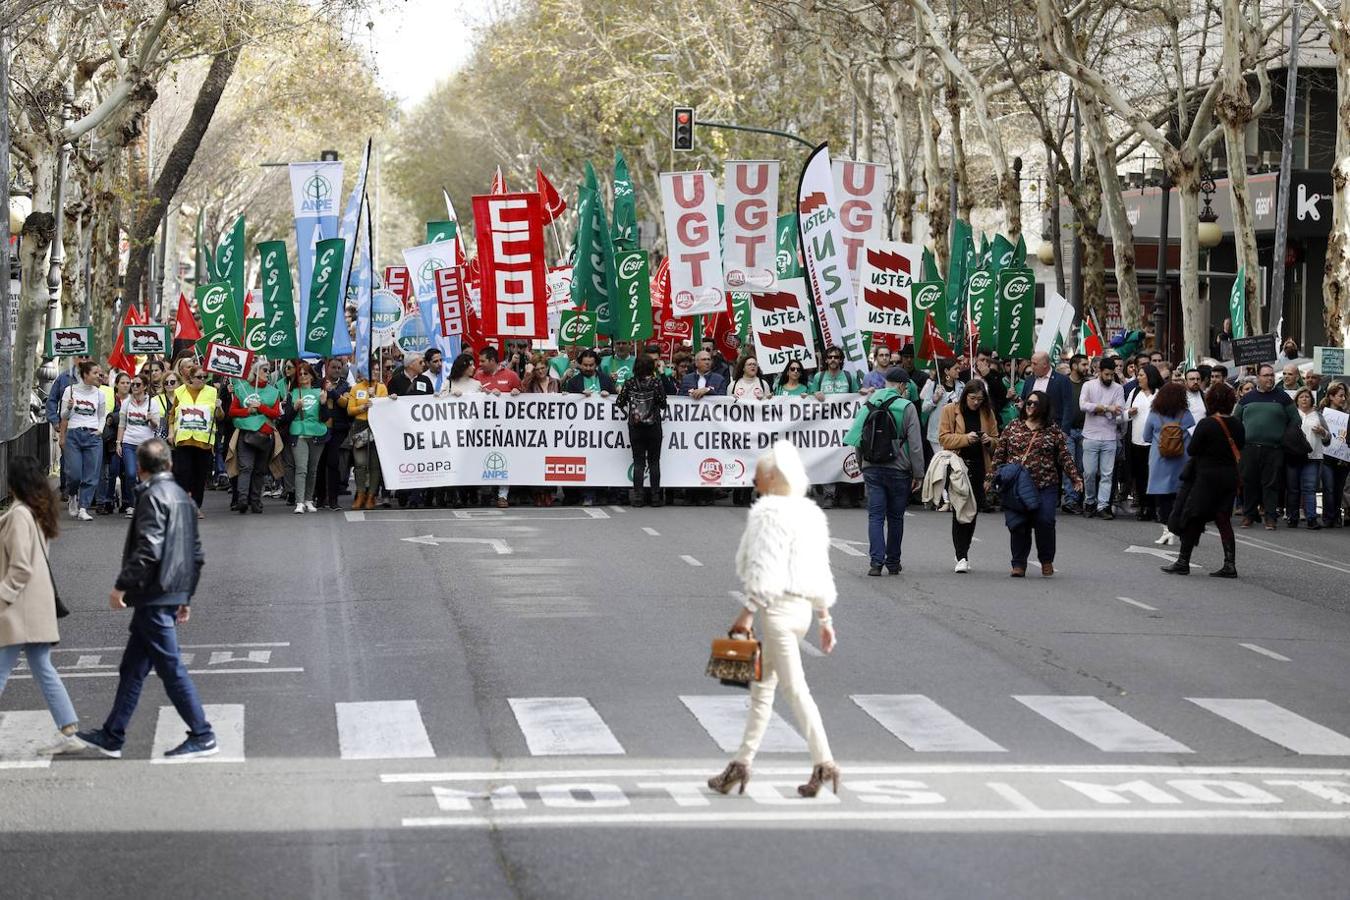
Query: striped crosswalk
(549,726)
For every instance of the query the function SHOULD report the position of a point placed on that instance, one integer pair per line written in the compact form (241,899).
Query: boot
(1229,569)
(635,497)
(825,773)
(359,501)
(1183,564)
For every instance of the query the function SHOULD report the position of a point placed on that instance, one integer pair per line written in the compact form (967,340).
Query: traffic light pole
(782,134)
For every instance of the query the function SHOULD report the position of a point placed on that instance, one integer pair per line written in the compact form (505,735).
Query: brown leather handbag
(736,660)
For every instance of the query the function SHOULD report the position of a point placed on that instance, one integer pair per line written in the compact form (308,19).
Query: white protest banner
(232,362)
(571,440)
(423,261)
(750,232)
(860,192)
(690,203)
(314,196)
(781,324)
(1337,422)
(1056,325)
(885,298)
(827,272)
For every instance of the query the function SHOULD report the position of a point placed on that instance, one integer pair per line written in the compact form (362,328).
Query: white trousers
(784,624)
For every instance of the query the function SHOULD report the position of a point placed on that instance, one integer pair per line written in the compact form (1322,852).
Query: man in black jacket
(161,564)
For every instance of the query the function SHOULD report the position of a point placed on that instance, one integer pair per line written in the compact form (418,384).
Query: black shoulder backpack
(880,435)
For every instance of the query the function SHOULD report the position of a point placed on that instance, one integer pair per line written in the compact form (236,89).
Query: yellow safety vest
(194,420)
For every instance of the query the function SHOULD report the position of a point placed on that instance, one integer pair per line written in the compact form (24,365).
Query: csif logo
(574,330)
(630,267)
(317,334)
(927,296)
(979,280)
(213,301)
(276,339)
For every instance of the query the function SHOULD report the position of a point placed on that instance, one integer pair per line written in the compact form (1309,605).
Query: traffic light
(682,128)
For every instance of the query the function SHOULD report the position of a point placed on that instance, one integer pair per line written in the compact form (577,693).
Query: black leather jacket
(162,558)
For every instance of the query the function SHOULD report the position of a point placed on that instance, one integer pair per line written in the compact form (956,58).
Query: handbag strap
(47,559)
(1035,436)
(1237,455)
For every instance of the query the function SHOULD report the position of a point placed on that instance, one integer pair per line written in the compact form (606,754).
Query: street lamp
(1211,235)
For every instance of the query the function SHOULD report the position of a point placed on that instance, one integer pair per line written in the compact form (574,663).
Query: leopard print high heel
(821,774)
(735,773)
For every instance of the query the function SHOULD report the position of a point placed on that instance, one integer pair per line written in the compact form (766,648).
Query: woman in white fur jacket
(784,564)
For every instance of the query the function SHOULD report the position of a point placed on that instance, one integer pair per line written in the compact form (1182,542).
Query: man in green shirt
(889,481)
(1264,414)
(619,366)
(832,379)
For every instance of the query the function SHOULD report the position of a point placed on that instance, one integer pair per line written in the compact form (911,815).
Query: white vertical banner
(860,191)
(423,262)
(749,239)
(1057,324)
(314,197)
(690,203)
(823,250)
(885,288)
(781,324)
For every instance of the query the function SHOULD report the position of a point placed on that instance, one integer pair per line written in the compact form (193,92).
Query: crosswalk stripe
(563,726)
(227,720)
(24,732)
(1101,724)
(382,729)
(924,725)
(723,717)
(1279,725)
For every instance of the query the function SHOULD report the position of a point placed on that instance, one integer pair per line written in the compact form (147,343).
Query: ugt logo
(317,194)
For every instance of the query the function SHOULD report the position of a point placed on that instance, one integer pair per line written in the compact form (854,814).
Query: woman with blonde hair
(784,565)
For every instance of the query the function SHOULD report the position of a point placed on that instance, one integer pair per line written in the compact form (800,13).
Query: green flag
(215,304)
(278,301)
(740,315)
(255,336)
(324,299)
(201,268)
(440,231)
(982,300)
(789,240)
(929,271)
(228,266)
(602,286)
(576,328)
(633,300)
(625,206)
(930,301)
(1016,313)
(1237,304)
(1020,252)
(958,266)
(1001,254)
(582,262)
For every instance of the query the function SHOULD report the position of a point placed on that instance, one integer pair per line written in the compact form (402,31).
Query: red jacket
(239,412)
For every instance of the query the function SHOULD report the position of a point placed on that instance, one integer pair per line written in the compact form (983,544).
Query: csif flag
(625,206)
(325,301)
(278,293)
(228,264)
(1237,304)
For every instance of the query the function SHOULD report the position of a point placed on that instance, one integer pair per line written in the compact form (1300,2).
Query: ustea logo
(494,467)
(564,468)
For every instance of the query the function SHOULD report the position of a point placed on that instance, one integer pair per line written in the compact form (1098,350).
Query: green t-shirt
(782,390)
(591,383)
(827,382)
(308,403)
(559,364)
(618,369)
(267,395)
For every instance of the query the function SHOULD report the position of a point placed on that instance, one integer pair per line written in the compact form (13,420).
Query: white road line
(1101,724)
(382,729)
(180,646)
(1138,604)
(723,717)
(1257,648)
(618,509)
(652,531)
(64,673)
(923,725)
(692,561)
(227,721)
(24,732)
(1301,557)
(1015,798)
(1279,726)
(846,547)
(563,726)
(497,544)
(354,516)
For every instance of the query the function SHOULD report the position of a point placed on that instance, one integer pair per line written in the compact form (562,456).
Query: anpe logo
(318,194)
(564,468)
(710,471)
(494,467)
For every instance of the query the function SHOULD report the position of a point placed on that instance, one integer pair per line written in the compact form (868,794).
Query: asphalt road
(520,711)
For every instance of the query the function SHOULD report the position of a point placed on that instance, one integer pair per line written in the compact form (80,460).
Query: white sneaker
(131,512)
(962,566)
(299,508)
(73,505)
(1165,538)
(84,516)
(66,743)
(310,507)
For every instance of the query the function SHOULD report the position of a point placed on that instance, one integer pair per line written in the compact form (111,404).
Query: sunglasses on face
(1032,404)
(833,357)
(138,384)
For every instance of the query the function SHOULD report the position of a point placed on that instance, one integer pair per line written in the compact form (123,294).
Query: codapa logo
(318,194)
(424,468)
(213,301)
(494,468)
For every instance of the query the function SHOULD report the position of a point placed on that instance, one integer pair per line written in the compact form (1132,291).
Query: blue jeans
(44,673)
(887,498)
(84,462)
(1302,479)
(1333,487)
(1099,468)
(154,644)
(1074,441)
(129,471)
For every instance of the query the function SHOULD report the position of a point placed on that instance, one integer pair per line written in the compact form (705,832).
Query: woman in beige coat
(27,595)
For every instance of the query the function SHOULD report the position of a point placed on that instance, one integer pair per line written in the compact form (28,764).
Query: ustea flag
(750,239)
(886,299)
(510,231)
(690,203)
(827,275)
(781,323)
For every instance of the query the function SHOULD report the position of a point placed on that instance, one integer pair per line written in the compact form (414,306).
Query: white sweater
(785,550)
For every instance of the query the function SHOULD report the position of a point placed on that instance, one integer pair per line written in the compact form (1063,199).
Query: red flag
(933,346)
(723,333)
(554,204)
(1089,338)
(184,323)
(498,182)
(118,358)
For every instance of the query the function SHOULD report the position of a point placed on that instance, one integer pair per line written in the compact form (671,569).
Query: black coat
(162,558)
(1210,480)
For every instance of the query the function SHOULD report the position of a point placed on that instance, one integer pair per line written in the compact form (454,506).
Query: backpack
(880,443)
(1172,441)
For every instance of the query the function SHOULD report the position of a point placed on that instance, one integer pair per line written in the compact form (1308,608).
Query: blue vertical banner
(362,276)
(315,187)
(351,224)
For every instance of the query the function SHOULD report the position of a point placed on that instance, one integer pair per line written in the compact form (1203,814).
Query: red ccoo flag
(933,346)
(498,182)
(554,204)
(184,323)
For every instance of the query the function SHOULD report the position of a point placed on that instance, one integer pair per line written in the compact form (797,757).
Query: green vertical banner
(1019,258)
(228,266)
(982,299)
(576,328)
(215,304)
(604,279)
(324,300)
(930,271)
(582,263)
(1016,313)
(930,301)
(789,259)
(632,320)
(440,231)
(278,301)
(201,268)
(255,336)
(625,234)
(740,316)
(1002,253)
(1237,303)
(958,266)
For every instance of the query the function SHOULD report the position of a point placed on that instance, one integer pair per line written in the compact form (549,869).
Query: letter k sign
(1307,206)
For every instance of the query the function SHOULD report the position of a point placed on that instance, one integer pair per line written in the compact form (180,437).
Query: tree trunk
(1336,280)
(38,230)
(936,184)
(904,178)
(176,167)
(1235,110)
(1122,233)
(1184,166)
(1094,246)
